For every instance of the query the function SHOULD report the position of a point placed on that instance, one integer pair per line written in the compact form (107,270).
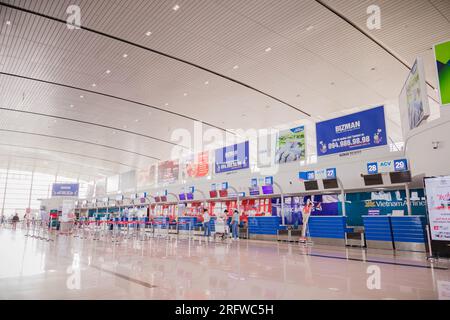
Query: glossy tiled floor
(72,268)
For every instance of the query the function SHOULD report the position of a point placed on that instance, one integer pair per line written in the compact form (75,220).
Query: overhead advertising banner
(128,181)
(232,158)
(442,54)
(65,189)
(387,166)
(291,145)
(146,177)
(438,203)
(413,100)
(197,165)
(362,130)
(168,171)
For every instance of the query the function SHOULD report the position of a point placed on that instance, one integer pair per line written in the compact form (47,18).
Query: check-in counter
(328,230)
(409,233)
(378,232)
(264,228)
(186,224)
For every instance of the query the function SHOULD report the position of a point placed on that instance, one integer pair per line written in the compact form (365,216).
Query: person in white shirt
(206,222)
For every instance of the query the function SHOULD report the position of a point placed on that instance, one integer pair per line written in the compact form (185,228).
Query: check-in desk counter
(186,224)
(409,233)
(161,222)
(378,232)
(264,228)
(328,230)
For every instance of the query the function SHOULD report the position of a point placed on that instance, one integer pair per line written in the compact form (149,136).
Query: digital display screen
(311,185)
(254,191)
(223,193)
(182,197)
(330,184)
(267,189)
(213,194)
(157,199)
(190,196)
(400,177)
(142,200)
(164,199)
(373,179)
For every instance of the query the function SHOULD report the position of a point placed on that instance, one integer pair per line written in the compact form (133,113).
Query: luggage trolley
(222,229)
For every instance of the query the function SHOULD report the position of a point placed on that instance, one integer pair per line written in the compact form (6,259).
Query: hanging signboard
(318,174)
(291,145)
(197,166)
(400,165)
(362,130)
(442,55)
(168,171)
(413,100)
(65,189)
(231,158)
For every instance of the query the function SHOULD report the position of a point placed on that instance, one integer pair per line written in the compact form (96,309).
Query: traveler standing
(306,213)
(206,222)
(235,224)
(15,219)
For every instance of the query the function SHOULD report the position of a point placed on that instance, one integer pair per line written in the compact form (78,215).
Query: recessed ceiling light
(309,28)
(125,126)
(206,82)
(54,121)
(94,85)
(125,55)
(113,132)
(108,71)
(8,23)
(137,120)
(185,94)
(236,67)
(81,96)
(176,7)
(148,33)
(72,106)
(166,104)
(268,49)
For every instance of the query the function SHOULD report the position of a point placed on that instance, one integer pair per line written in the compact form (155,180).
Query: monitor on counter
(400,177)
(311,185)
(254,191)
(267,189)
(190,196)
(163,198)
(157,199)
(182,197)
(330,184)
(373,179)
(213,194)
(223,193)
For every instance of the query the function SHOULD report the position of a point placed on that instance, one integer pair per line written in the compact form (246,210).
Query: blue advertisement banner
(362,130)
(231,158)
(65,189)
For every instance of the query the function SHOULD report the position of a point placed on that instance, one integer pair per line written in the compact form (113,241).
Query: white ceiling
(320,62)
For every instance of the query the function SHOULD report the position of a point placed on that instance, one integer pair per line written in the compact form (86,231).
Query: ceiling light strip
(117,98)
(162,54)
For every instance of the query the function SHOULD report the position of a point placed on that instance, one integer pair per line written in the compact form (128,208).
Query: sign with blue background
(65,189)
(362,130)
(329,173)
(387,166)
(231,158)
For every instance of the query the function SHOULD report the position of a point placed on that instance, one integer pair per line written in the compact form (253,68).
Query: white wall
(425,160)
